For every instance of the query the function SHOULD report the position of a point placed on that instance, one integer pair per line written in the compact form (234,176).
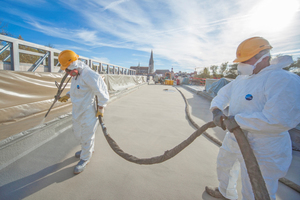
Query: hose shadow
(199,109)
(31,184)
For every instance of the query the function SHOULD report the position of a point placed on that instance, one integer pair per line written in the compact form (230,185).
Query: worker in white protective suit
(264,102)
(85,84)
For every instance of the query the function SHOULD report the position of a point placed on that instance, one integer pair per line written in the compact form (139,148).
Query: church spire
(151,63)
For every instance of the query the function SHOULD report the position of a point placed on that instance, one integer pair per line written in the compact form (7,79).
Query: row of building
(149,71)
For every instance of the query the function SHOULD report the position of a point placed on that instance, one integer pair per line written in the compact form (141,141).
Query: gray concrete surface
(144,123)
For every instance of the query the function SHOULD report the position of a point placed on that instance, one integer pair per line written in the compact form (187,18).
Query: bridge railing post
(15,58)
(90,63)
(100,68)
(51,61)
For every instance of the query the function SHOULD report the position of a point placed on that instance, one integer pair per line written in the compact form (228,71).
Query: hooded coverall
(265,105)
(83,90)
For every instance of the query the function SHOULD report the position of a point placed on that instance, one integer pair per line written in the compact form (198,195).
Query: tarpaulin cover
(27,96)
(209,82)
(215,86)
(27,93)
(185,81)
(120,82)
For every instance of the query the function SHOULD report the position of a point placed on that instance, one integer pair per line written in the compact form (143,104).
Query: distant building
(161,71)
(140,70)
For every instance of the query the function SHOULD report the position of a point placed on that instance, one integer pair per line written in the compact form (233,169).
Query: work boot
(77,154)
(80,166)
(214,192)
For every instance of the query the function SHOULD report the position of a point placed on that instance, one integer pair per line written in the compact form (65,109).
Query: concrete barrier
(18,145)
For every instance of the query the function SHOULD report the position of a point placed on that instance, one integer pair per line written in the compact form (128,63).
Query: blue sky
(183,34)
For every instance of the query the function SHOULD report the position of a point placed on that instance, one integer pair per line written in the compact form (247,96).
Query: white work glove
(100,111)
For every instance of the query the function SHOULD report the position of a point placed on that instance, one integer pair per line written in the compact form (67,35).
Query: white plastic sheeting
(26,96)
(120,82)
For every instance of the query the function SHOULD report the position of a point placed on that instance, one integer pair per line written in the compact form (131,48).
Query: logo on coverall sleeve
(249,97)
(78,87)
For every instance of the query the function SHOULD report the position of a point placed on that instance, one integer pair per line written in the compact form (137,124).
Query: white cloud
(101,59)
(188,33)
(113,4)
(138,55)
(80,36)
(74,48)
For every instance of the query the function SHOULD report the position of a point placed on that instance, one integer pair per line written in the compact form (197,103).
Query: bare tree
(223,68)
(204,74)
(3,27)
(294,67)
(50,45)
(232,71)
(20,37)
(214,68)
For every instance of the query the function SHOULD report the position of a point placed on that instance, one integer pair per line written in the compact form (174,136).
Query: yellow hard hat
(250,47)
(66,57)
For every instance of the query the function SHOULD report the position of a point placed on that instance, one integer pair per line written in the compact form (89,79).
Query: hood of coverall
(275,64)
(279,62)
(77,64)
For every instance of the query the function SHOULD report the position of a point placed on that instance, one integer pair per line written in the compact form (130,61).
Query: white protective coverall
(82,93)
(265,105)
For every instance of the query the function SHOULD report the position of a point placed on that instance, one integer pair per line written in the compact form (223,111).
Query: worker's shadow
(28,185)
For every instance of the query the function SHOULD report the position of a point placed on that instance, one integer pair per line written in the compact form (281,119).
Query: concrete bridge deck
(144,123)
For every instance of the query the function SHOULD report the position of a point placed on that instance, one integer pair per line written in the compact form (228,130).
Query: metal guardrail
(51,55)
